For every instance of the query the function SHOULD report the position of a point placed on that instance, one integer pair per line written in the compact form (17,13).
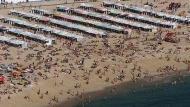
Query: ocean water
(165,95)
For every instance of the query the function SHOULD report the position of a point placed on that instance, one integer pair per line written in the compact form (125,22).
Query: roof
(101,9)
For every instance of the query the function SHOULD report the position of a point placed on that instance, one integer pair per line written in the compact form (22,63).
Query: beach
(74,72)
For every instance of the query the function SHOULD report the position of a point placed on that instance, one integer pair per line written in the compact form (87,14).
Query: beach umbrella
(10,66)
(3,66)
(20,82)
(1,75)
(2,80)
(18,68)
(9,69)
(31,71)
(15,74)
(12,77)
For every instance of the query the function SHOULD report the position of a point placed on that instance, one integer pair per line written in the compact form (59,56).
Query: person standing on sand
(6,3)
(46,93)
(50,102)
(9,97)
(30,6)
(39,5)
(61,92)
(23,7)
(42,96)
(38,92)
(62,82)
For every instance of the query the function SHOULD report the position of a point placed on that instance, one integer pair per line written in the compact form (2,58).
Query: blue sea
(164,95)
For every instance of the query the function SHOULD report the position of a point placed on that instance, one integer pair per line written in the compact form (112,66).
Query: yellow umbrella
(18,68)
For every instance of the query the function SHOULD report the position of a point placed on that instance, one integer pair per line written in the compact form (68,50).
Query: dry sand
(151,63)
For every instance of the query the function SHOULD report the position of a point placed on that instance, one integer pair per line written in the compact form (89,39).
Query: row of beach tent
(114,21)
(26,34)
(13,42)
(136,17)
(31,36)
(113,4)
(63,24)
(148,12)
(81,20)
(47,29)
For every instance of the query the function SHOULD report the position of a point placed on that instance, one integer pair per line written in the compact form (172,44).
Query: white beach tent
(79,38)
(13,41)
(174,25)
(17,1)
(14,1)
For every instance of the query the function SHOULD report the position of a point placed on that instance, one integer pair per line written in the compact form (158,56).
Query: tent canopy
(2,28)
(101,9)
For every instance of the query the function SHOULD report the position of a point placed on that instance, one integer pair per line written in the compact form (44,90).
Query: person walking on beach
(134,91)
(38,92)
(50,102)
(104,98)
(61,82)
(46,93)
(61,92)
(42,96)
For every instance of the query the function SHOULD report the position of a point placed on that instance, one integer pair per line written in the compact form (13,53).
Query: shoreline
(123,87)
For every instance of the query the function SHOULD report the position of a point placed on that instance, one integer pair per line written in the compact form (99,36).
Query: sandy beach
(81,71)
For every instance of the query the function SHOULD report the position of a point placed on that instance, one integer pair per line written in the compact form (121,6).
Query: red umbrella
(15,74)
(1,80)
